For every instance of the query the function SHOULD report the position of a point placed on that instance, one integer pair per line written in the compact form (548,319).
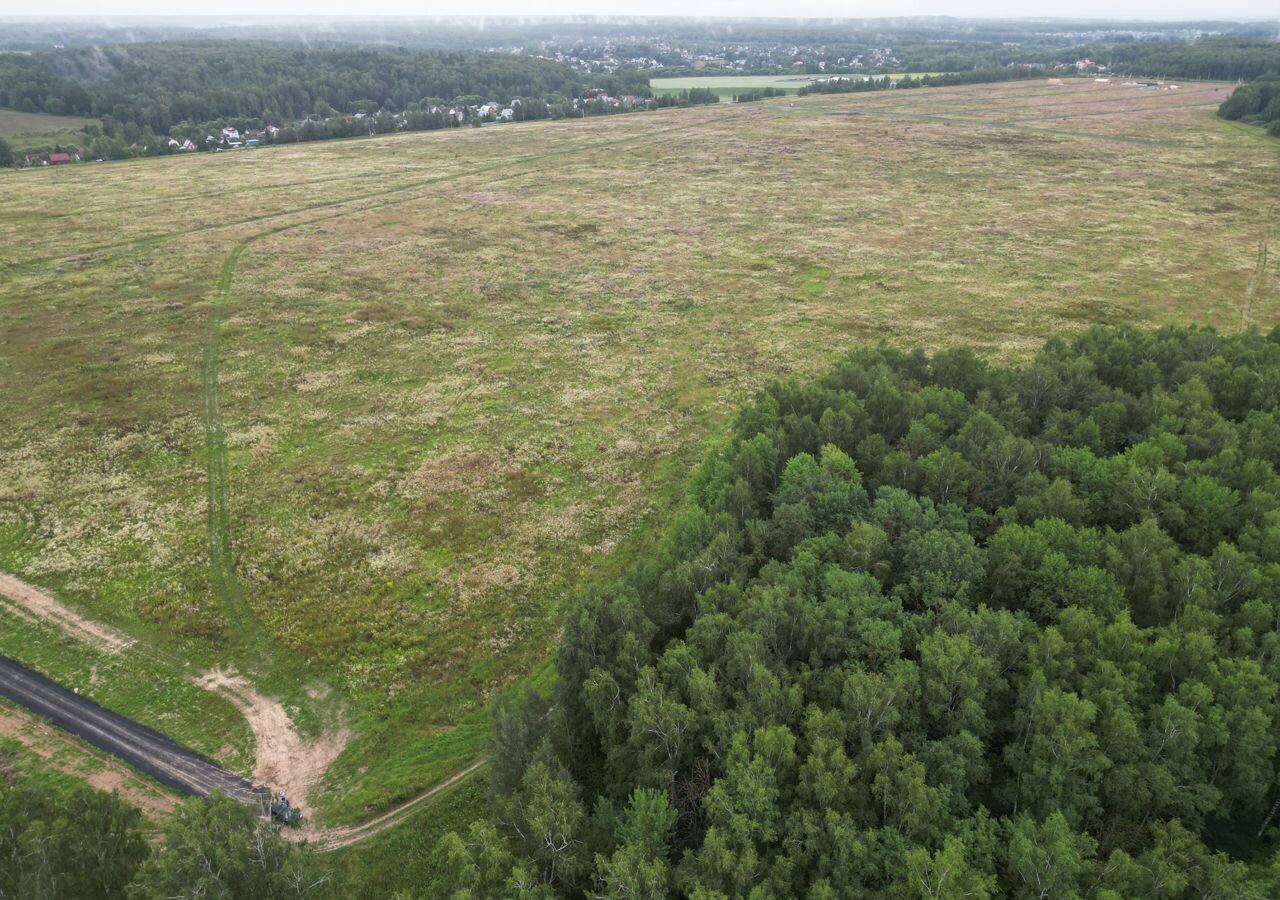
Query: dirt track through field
(45,606)
(336,838)
(283,760)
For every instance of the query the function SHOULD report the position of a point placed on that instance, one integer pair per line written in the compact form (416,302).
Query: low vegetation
(27,132)
(458,382)
(931,628)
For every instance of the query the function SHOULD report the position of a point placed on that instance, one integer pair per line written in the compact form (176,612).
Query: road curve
(145,749)
(344,836)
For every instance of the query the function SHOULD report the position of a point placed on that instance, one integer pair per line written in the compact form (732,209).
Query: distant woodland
(138,95)
(1211,58)
(158,86)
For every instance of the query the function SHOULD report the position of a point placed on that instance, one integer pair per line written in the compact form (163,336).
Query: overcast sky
(1163,10)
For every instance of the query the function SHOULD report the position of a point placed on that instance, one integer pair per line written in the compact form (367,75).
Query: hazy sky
(1164,10)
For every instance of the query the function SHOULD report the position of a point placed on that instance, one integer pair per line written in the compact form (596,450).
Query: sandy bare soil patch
(45,606)
(284,760)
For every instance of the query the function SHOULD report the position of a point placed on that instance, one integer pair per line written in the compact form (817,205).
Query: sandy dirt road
(28,601)
(283,759)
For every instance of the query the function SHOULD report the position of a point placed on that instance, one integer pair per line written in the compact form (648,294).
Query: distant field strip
(728,84)
(1014,126)
(14,122)
(99,250)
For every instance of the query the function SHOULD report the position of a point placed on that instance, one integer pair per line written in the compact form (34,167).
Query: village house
(231,133)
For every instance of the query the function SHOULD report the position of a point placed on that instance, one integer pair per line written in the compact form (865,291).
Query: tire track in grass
(226,587)
(344,836)
(227,590)
(221,570)
(102,253)
(1256,280)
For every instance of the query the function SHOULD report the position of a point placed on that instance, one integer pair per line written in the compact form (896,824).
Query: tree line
(155,87)
(1220,57)
(930,628)
(858,84)
(1257,103)
(71,842)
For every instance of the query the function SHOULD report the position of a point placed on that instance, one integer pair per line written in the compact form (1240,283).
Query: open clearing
(728,85)
(356,419)
(29,130)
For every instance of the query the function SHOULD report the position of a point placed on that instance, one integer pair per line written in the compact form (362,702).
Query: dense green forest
(60,842)
(1220,57)
(1257,103)
(931,628)
(158,86)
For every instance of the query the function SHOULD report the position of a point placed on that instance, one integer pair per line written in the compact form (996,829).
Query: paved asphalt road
(146,750)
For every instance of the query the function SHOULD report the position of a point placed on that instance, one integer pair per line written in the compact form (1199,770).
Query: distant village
(236,137)
(595,101)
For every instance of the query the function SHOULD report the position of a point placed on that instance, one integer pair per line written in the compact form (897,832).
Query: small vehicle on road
(283,812)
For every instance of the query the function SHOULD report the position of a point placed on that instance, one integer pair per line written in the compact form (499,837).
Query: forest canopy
(930,627)
(1257,104)
(157,86)
(1221,57)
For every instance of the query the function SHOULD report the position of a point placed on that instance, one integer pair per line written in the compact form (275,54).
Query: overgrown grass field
(359,418)
(27,131)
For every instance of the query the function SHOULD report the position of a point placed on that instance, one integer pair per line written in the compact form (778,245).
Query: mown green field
(360,418)
(28,131)
(728,85)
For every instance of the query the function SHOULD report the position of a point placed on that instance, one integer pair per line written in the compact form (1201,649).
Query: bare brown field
(360,417)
